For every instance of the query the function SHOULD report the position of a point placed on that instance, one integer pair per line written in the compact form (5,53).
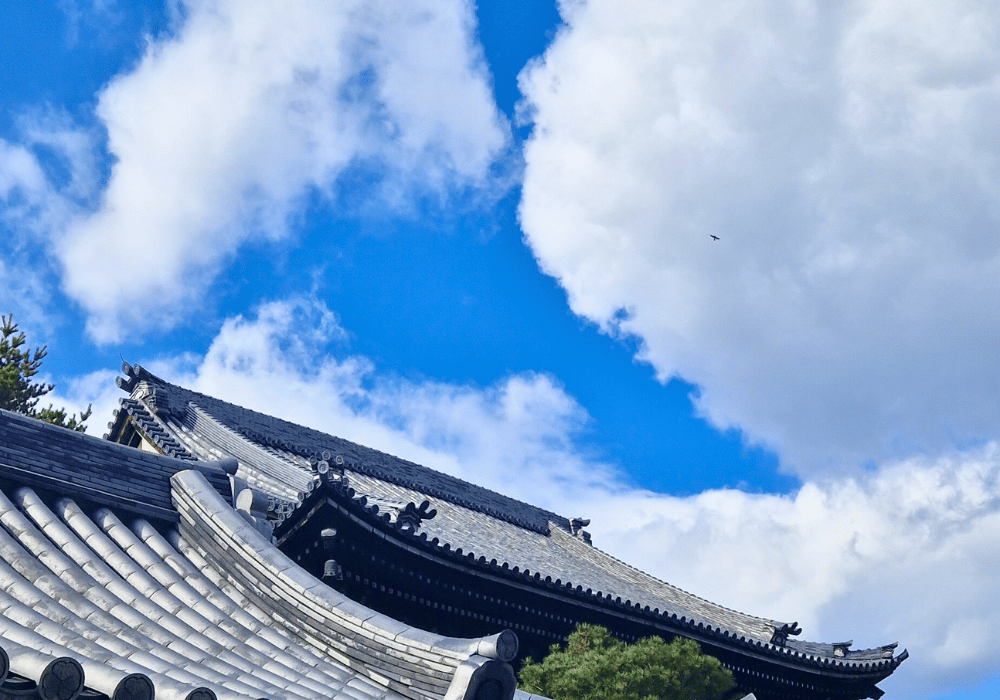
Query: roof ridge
(53,458)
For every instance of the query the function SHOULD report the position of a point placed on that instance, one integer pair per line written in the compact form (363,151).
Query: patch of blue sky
(986,691)
(465,303)
(59,58)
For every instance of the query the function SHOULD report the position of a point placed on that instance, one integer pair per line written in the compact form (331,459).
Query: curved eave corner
(264,443)
(404,660)
(877,663)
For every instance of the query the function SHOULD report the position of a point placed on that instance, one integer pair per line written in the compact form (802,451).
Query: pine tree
(596,666)
(18,392)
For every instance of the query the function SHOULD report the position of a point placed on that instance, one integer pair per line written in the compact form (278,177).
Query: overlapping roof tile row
(127,574)
(305,442)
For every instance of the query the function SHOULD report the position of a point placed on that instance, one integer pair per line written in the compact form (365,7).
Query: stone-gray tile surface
(499,535)
(99,590)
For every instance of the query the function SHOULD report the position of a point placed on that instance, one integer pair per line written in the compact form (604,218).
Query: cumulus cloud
(45,177)
(223,129)
(46,174)
(903,553)
(22,182)
(91,18)
(291,360)
(844,153)
(24,193)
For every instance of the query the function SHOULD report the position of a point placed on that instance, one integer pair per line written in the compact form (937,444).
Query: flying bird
(714,237)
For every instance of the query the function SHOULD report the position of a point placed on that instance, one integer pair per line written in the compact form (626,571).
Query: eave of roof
(302,442)
(855,662)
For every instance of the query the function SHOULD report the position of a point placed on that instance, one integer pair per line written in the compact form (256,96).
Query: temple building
(204,550)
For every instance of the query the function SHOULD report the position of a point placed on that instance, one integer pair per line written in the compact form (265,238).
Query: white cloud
(222,131)
(904,553)
(91,18)
(845,153)
(45,176)
(22,181)
(23,192)
(523,424)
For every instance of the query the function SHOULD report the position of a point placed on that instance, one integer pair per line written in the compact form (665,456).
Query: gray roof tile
(504,537)
(84,580)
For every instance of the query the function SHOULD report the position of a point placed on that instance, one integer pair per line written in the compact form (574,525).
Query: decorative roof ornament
(888,649)
(406,517)
(576,526)
(781,634)
(410,518)
(159,403)
(131,378)
(840,649)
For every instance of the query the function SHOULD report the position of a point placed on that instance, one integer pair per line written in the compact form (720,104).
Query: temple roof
(500,535)
(125,573)
(192,423)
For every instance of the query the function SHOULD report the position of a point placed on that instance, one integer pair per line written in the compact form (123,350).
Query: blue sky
(480,238)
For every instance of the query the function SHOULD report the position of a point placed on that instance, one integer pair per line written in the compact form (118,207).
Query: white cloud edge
(227,124)
(840,154)
(196,179)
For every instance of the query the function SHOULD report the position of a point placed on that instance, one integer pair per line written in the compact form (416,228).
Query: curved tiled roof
(270,472)
(276,434)
(502,536)
(409,661)
(103,472)
(563,557)
(590,575)
(106,589)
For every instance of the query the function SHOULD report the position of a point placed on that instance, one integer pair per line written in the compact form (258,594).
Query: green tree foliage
(18,392)
(596,666)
